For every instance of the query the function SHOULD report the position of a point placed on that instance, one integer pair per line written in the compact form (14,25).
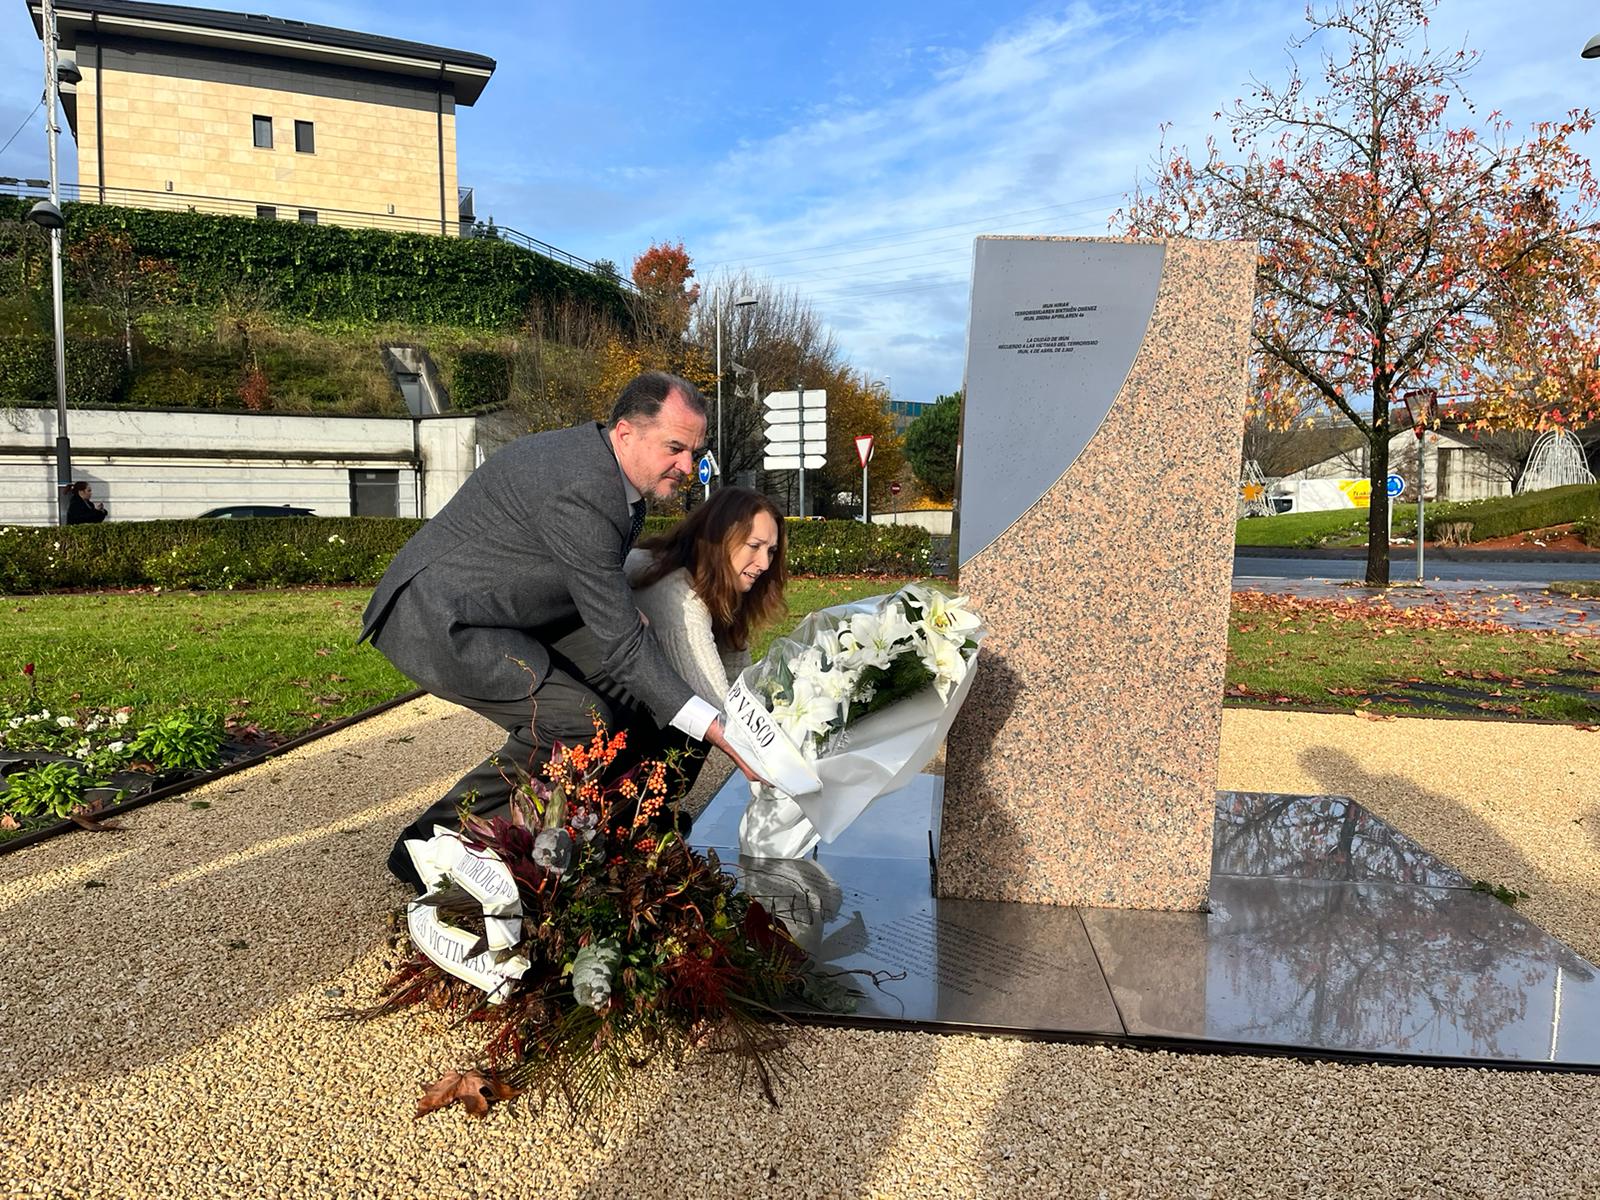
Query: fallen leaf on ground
(473,1089)
(1372,716)
(84,821)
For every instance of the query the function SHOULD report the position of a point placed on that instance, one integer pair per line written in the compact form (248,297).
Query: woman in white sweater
(707,585)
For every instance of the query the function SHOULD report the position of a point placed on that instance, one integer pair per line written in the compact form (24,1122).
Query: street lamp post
(1591,49)
(47,215)
(739,302)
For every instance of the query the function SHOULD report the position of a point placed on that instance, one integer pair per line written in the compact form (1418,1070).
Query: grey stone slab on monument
(1099,460)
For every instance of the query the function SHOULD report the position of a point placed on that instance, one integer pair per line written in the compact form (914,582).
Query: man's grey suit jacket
(531,545)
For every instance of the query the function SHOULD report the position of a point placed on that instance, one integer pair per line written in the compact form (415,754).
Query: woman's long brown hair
(703,543)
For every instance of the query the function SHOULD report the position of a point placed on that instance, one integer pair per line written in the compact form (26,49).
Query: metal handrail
(30,189)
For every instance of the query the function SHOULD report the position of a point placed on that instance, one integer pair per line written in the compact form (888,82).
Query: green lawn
(1348,654)
(1337,526)
(285,660)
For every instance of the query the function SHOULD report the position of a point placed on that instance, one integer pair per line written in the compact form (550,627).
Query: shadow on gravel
(122,953)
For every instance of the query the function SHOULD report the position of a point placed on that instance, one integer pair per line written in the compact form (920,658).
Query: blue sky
(853,151)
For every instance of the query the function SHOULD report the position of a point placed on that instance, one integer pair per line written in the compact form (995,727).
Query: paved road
(1403,569)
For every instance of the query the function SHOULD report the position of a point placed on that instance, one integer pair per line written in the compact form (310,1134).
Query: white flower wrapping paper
(783,713)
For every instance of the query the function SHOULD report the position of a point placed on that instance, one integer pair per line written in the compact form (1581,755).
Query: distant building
(904,412)
(237,113)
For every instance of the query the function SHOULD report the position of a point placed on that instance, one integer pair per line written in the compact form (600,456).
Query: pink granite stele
(1082,769)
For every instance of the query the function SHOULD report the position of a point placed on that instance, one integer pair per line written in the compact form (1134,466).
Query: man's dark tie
(636,525)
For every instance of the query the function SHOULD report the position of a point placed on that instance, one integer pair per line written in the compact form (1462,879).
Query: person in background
(81,510)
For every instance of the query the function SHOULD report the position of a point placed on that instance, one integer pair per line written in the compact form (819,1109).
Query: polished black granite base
(1330,934)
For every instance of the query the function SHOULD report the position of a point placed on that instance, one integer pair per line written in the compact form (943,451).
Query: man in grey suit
(512,601)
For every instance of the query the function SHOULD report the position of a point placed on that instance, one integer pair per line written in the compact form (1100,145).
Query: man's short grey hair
(642,397)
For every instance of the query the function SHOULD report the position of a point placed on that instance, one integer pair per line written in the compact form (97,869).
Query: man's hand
(717,738)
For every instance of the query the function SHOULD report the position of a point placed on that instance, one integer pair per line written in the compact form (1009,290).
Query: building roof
(278,37)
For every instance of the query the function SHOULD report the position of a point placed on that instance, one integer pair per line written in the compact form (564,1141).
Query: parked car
(230,511)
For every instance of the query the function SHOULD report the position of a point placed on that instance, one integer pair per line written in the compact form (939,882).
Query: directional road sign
(792,416)
(792,463)
(816,442)
(1395,486)
(788,400)
(707,468)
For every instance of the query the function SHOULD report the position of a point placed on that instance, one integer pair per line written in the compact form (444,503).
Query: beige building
(252,115)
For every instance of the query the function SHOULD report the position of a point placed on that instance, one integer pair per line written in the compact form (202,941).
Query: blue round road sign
(1394,485)
(705,468)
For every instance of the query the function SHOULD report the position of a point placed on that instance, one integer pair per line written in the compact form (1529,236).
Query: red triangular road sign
(864,448)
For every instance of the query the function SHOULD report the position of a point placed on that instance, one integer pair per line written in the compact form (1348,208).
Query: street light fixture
(739,302)
(46,216)
(1592,48)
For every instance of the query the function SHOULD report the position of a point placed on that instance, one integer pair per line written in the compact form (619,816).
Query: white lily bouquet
(848,707)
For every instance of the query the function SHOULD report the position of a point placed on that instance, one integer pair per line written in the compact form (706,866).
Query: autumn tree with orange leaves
(1398,251)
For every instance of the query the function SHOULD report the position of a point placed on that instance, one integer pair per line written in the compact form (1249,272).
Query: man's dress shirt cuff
(695,717)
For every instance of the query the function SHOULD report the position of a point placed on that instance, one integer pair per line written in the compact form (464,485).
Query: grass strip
(284,660)
(1368,655)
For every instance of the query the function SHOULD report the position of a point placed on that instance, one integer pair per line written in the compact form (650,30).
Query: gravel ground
(162,990)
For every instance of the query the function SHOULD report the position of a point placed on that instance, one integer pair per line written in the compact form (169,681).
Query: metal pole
(800,389)
(866,518)
(1422,475)
(63,443)
(717,314)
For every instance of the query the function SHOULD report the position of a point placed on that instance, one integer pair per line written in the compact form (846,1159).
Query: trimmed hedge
(329,272)
(97,370)
(1502,516)
(292,550)
(203,554)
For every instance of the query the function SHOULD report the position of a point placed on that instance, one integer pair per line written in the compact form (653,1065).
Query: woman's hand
(717,738)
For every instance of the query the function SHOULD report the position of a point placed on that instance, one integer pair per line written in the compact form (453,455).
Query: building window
(263,132)
(266,212)
(308,216)
(305,139)
(374,493)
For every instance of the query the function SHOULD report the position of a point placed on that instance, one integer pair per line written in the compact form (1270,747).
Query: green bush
(481,379)
(328,272)
(294,550)
(1502,516)
(203,554)
(1588,531)
(97,370)
(55,788)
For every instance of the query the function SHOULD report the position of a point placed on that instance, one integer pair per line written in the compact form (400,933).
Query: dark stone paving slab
(1329,933)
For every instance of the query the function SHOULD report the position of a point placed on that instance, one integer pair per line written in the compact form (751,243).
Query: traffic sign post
(894,492)
(706,471)
(1394,487)
(864,453)
(797,433)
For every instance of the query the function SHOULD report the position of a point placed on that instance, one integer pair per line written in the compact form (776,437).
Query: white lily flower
(807,714)
(943,659)
(871,640)
(944,615)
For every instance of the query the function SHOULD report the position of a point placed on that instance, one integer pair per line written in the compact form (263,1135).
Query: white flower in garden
(65,722)
(121,717)
(116,747)
(943,615)
(943,658)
